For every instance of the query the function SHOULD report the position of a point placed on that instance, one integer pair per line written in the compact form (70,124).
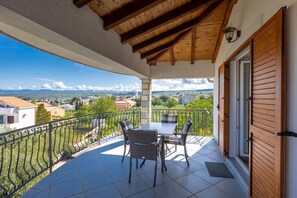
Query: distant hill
(55,94)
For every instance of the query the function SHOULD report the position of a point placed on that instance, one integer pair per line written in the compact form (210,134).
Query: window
(10,119)
(1,119)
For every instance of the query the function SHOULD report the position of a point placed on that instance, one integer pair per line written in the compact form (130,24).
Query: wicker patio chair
(180,139)
(144,145)
(125,125)
(169,118)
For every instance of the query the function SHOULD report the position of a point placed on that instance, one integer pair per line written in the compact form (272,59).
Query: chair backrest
(185,131)
(128,124)
(124,129)
(169,118)
(143,144)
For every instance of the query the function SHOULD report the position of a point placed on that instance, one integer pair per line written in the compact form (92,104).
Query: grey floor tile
(172,190)
(205,175)
(90,170)
(148,178)
(193,183)
(146,194)
(43,194)
(213,192)
(175,171)
(66,189)
(205,151)
(96,180)
(136,186)
(31,193)
(79,195)
(105,191)
(194,166)
(232,187)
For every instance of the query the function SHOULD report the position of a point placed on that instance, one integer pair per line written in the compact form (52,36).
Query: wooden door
(268,106)
(223,109)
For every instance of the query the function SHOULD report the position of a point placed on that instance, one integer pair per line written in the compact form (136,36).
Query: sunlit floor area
(100,173)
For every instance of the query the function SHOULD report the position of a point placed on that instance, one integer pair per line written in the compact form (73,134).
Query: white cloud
(46,86)
(181,84)
(44,79)
(20,88)
(60,85)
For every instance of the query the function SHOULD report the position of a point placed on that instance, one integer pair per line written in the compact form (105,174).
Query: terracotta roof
(16,102)
(44,103)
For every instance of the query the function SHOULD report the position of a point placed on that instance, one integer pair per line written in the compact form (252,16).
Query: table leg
(163,155)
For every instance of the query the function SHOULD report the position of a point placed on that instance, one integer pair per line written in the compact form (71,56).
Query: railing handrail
(63,119)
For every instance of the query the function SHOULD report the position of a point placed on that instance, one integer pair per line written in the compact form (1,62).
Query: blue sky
(24,67)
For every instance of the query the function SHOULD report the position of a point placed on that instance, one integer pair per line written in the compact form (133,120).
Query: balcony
(83,156)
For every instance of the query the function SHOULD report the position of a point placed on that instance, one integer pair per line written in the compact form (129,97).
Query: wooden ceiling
(166,30)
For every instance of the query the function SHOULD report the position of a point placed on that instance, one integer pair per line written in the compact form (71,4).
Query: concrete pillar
(146,101)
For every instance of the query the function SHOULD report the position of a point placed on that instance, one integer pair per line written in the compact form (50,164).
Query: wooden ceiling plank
(171,56)
(183,27)
(80,3)
(223,26)
(127,12)
(193,46)
(162,20)
(166,45)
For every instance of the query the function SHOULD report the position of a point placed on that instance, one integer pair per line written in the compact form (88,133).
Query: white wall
(249,16)
(61,28)
(26,117)
(183,69)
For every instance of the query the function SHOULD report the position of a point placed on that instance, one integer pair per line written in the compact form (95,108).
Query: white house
(16,113)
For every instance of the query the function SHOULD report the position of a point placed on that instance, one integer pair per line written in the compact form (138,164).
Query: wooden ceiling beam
(193,46)
(128,11)
(223,26)
(80,3)
(171,56)
(163,20)
(181,28)
(153,60)
(165,46)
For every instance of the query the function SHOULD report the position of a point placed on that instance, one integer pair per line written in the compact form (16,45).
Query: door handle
(287,133)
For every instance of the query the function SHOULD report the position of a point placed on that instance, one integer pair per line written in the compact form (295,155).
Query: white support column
(146,101)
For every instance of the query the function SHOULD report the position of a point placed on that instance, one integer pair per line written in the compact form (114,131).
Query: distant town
(23,108)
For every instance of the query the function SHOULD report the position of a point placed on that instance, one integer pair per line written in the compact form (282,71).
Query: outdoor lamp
(229,34)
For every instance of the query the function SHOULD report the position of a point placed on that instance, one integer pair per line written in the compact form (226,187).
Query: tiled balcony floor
(100,173)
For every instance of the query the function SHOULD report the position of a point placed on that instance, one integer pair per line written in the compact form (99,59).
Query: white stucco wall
(249,16)
(183,69)
(61,28)
(26,117)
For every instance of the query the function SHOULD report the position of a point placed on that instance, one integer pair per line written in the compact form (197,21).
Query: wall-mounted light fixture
(230,34)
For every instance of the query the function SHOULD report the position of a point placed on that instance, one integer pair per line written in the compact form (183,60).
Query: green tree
(42,115)
(200,104)
(103,104)
(84,110)
(138,101)
(171,102)
(74,100)
(99,105)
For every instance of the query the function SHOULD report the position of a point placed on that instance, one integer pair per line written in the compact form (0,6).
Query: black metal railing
(30,153)
(33,151)
(202,120)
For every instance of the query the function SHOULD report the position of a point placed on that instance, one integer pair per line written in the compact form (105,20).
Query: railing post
(133,118)
(99,128)
(50,127)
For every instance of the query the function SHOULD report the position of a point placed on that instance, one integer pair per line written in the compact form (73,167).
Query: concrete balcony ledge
(100,173)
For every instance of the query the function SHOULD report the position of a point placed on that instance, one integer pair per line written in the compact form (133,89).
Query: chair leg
(155,174)
(136,163)
(186,155)
(130,170)
(124,153)
(143,162)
